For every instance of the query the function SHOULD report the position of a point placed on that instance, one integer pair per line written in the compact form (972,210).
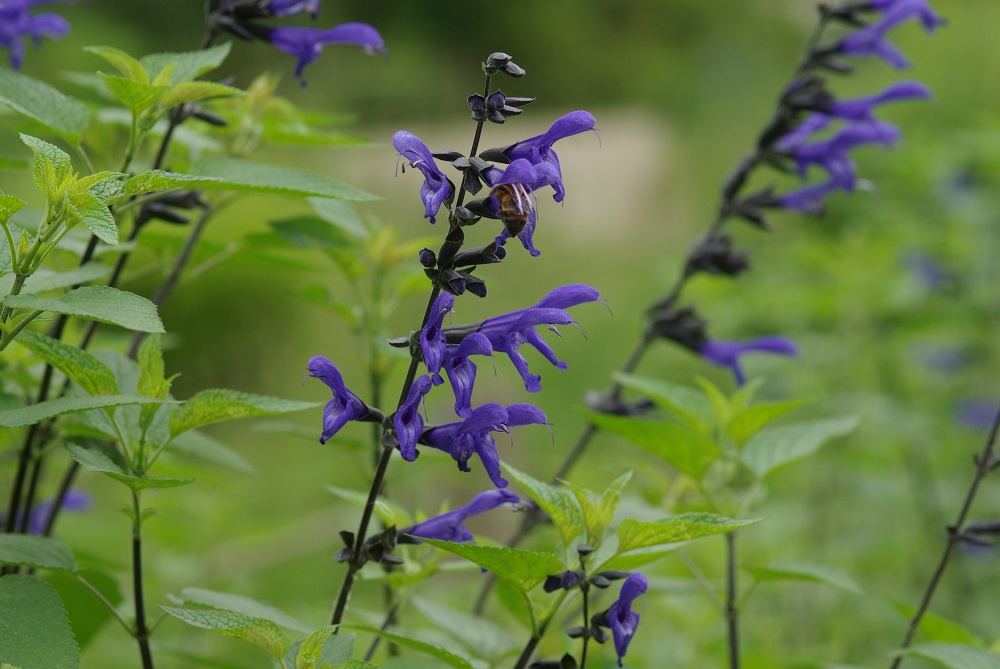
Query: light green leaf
(9,205)
(42,281)
(801,571)
(155,180)
(560,505)
(243,605)
(686,448)
(90,210)
(452,659)
(200,445)
(151,370)
(747,422)
(34,629)
(96,303)
(340,214)
(135,96)
(186,65)
(121,61)
(634,534)
(954,655)
(321,649)
(479,636)
(686,403)
(193,91)
(311,231)
(939,629)
(247,175)
(773,448)
(35,413)
(521,568)
(33,551)
(82,368)
(721,406)
(95,458)
(212,406)
(66,116)
(51,167)
(598,514)
(86,615)
(257,631)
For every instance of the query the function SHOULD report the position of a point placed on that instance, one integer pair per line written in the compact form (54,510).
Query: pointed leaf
(86,615)
(748,422)
(321,649)
(341,214)
(560,505)
(51,166)
(634,534)
(96,459)
(241,604)
(34,628)
(155,180)
(121,61)
(66,116)
(521,568)
(247,175)
(33,551)
(9,205)
(186,65)
(452,659)
(212,406)
(82,368)
(257,631)
(35,413)
(96,303)
(686,403)
(42,281)
(801,571)
(93,213)
(193,91)
(775,447)
(954,655)
(135,96)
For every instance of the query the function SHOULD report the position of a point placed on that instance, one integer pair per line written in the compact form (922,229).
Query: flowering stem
(585,588)
(732,610)
(985,462)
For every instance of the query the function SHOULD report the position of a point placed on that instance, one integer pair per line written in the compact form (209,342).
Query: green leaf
(247,175)
(340,214)
(686,403)
(446,656)
(309,231)
(202,446)
(82,368)
(243,605)
(51,167)
(33,551)
(747,422)
(257,631)
(93,213)
(686,448)
(773,448)
(155,180)
(721,406)
(87,616)
(598,514)
(321,648)
(136,96)
(801,571)
(939,629)
(212,406)
(151,370)
(34,629)
(954,655)
(66,116)
(193,91)
(560,505)
(35,413)
(479,636)
(634,534)
(96,458)
(42,281)
(121,61)
(9,205)
(186,65)
(96,303)
(521,568)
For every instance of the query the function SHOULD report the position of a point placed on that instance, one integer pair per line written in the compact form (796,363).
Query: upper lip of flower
(436,188)
(450,526)
(306,44)
(726,353)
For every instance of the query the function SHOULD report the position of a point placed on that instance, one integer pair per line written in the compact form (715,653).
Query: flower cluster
(450,526)
(620,617)
(17,22)
(242,19)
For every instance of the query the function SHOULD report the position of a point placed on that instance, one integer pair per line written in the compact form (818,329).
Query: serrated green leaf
(321,648)
(156,180)
(33,551)
(802,571)
(94,180)
(521,568)
(42,281)
(82,368)
(311,231)
(135,96)
(687,449)
(35,413)
(192,91)
(151,370)
(954,656)
(242,605)
(747,422)
(452,659)
(479,636)
(34,629)
(598,514)
(186,65)
(202,446)
(66,116)
(772,448)
(340,214)
(86,615)
(9,205)
(634,534)
(96,459)
(247,175)
(257,631)
(560,505)
(51,167)
(939,629)
(93,213)
(96,303)
(212,406)
(121,61)
(686,403)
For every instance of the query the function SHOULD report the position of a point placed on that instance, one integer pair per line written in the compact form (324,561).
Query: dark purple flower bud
(16,23)
(427,258)
(436,188)
(715,255)
(871,40)
(620,617)
(473,435)
(450,526)
(306,44)
(293,7)
(75,500)
(345,405)
(863,108)
(408,421)
(432,339)
(727,353)
(462,372)
(682,326)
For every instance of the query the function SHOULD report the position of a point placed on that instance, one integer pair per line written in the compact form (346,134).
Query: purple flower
(507,333)
(871,40)
(306,44)
(345,405)
(436,188)
(461,370)
(75,500)
(976,414)
(16,23)
(538,149)
(809,199)
(408,421)
(620,617)
(473,435)
(292,7)
(450,526)
(727,353)
(863,108)
(432,338)
(512,199)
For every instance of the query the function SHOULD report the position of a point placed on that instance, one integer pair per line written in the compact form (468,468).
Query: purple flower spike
(450,526)
(517,184)
(293,7)
(863,108)
(306,44)
(568,296)
(16,23)
(727,353)
(810,199)
(345,405)
(832,153)
(76,500)
(408,421)
(462,372)
(436,188)
(538,149)
(620,617)
(871,40)
(432,339)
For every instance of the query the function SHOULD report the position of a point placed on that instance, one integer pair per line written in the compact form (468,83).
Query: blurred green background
(679,89)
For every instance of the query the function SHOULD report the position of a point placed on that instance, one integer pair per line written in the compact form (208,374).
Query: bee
(515,206)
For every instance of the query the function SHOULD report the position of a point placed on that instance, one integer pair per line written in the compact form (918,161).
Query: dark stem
(141,631)
(60,497)
(984,462)
(390,619)
(586,625)
(732,611)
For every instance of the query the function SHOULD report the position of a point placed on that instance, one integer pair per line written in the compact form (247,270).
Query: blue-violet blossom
(620,617)
(408,421)
(293,7)
(432,337)
(871,40)
(525,178)
(345,405)
(727,353)
(461,370)
(306,44)
(436,188)
(450,526)
(75,500)
(16,23)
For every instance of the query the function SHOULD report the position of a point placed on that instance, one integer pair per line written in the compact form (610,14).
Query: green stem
(104,600)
